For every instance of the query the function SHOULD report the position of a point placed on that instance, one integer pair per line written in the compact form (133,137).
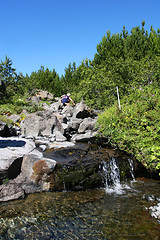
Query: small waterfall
(131,168)
(112,176)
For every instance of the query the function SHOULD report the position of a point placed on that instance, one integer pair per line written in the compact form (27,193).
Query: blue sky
(54,33)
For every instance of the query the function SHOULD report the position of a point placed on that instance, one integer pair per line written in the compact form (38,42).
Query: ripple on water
(92,214)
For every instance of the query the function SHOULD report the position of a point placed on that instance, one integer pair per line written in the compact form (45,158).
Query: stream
(118,211)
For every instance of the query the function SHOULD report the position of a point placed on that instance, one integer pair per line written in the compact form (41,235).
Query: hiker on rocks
(65,99)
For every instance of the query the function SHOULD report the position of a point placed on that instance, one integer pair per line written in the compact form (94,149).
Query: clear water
(93,214)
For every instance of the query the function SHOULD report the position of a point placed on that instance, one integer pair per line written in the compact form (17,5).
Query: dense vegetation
(130,61)
(136,128)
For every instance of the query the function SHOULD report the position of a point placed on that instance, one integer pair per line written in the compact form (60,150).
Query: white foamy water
(112,177)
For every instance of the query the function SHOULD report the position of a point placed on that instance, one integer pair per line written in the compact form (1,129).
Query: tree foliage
(124,59)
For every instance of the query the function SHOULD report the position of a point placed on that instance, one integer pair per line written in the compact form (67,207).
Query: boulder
(67,111)
(89,135)
(81,111)
(77,168)
(42,123)
(74,124)
(87,124)
(35,99)
(32,125)
(55,106)
(35,176)
(13,117)
(11,191)
(44,95)
(12,151)
(36,171)
(59,136)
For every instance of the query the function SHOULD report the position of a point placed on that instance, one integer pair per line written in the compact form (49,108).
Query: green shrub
(135,128)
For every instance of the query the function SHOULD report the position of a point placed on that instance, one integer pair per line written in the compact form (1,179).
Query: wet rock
(149,197)
(77,168)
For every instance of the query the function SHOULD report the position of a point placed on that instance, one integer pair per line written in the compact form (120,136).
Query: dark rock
(78,167)
(4,130)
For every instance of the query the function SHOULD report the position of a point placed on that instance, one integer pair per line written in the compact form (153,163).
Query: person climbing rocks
(66,99)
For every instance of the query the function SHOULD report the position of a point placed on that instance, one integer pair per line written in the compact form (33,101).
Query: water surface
(92,214)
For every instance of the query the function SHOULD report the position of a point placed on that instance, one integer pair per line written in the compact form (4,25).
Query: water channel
(117,211)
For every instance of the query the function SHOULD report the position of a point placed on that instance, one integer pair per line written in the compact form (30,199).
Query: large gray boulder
(35,173)
(63,124)
(74,124)
(81,111)
(12,151)
(67,111)
(87,124)
(32,125)
(42,123)
(89,135)
(35,176)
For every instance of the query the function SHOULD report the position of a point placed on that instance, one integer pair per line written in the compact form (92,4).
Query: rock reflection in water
(81,215)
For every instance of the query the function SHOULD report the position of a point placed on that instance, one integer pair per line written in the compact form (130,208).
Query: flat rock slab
(65,144)
(12,148)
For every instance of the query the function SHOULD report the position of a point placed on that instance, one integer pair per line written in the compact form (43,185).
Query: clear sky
(54,33)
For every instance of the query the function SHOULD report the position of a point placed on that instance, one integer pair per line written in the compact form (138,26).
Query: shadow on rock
(12,143)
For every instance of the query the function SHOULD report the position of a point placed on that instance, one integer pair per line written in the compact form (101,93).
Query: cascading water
(131,168)
(112,176)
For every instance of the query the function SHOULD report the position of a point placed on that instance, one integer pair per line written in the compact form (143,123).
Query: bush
(135,128)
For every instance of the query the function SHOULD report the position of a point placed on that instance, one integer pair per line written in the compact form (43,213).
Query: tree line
(124,59)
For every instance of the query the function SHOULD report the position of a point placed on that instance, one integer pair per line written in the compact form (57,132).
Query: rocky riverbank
(23,168)
(54,150)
